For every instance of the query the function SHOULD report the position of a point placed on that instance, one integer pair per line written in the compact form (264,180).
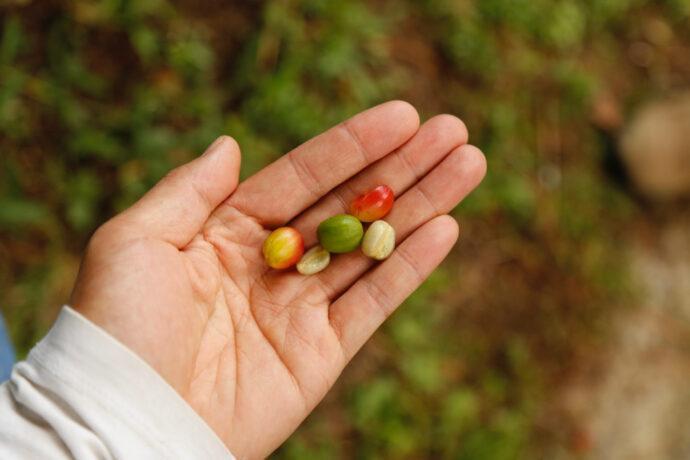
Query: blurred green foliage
(99,98)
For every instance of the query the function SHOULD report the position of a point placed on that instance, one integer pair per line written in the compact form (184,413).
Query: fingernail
(212,148)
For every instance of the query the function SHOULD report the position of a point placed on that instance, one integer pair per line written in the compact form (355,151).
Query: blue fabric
(6,353)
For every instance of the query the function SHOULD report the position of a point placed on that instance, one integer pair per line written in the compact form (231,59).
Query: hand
(180,279)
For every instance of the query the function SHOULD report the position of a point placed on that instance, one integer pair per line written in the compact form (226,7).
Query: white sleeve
(82,394)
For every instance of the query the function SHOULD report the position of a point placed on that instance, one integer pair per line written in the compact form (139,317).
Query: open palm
(180,279)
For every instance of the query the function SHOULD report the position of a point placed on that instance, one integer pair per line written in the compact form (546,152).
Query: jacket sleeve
(82,394)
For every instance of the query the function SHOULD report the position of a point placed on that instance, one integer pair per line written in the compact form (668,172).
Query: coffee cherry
(341,233)
(373,205)
(283,247)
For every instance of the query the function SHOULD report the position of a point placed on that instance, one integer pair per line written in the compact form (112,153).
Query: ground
(635,404)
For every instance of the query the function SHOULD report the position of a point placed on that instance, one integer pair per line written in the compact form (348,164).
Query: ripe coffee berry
(374,204)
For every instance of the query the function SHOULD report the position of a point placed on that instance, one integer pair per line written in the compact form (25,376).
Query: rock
(655,149)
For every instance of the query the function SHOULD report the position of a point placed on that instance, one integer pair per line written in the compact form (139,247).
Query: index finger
(297,180)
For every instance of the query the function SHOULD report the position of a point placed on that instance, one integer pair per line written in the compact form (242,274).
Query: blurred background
(560,325)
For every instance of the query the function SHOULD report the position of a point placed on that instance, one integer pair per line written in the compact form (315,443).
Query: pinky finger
(357,314)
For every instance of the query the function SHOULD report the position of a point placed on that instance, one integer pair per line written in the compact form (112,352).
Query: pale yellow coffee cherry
(313,261)
(379,240)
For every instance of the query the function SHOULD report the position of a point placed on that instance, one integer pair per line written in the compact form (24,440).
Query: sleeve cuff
(117,395)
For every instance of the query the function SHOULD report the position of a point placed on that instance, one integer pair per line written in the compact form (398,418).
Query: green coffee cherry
(341,233)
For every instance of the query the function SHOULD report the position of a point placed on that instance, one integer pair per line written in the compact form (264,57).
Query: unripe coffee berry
(379,240)
(313,261)
(374,204)
(341,233)
(283,247)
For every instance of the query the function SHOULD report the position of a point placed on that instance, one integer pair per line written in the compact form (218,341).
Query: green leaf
(17,212)
(12,40)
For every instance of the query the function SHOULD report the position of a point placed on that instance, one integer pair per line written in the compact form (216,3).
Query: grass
(98,99)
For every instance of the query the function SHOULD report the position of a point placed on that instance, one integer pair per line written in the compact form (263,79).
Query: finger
(361,310)
(399,170)
(176,208)
(286,187)
(436,194)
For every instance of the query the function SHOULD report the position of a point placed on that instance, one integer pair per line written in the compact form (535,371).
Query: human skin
(179,277)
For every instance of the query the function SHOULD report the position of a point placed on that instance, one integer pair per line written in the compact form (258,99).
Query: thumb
(176,208)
